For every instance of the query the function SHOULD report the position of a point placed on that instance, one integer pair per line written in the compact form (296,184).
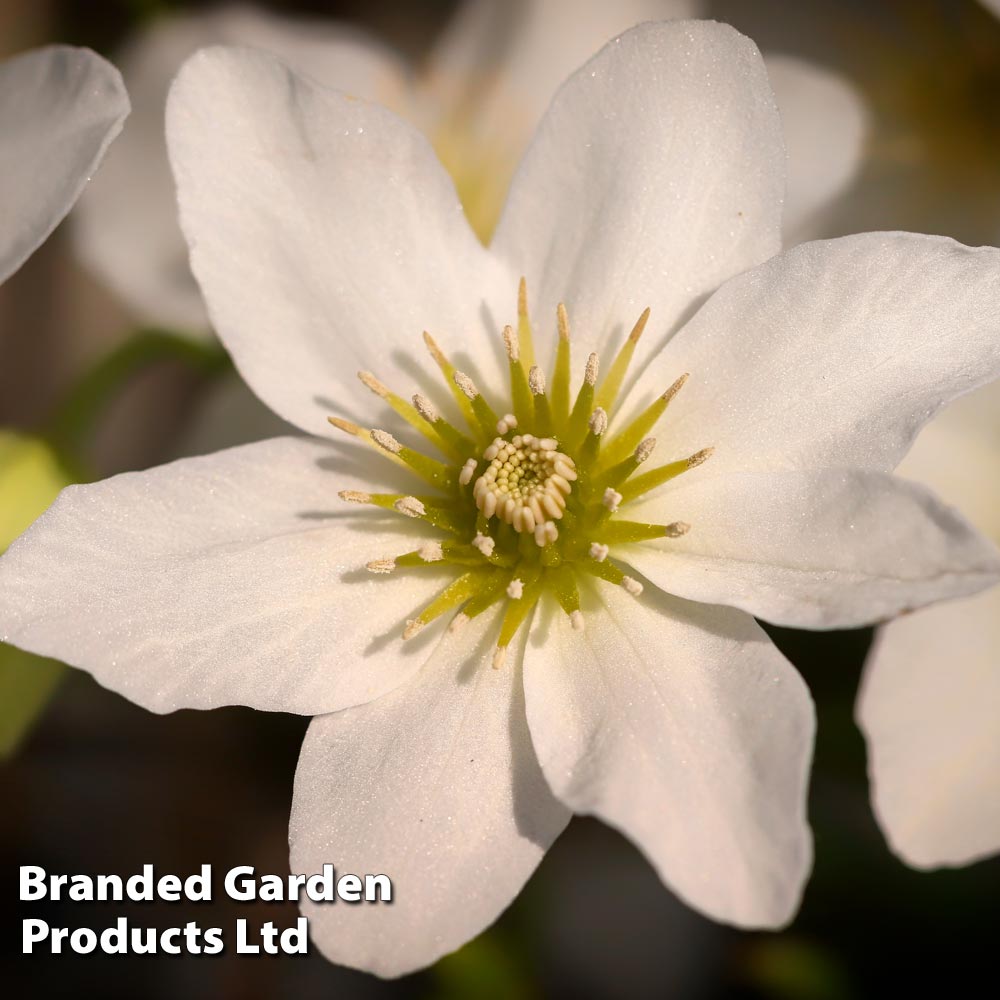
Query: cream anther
(675,388)
(677,529)
(515,589)
(598,421)
(355,496)
(385,440)
(612,499)
(458,623)
(633,587)
(431,552)
(413,626)
(576,620)
(484,543)
(590,372)
(545,532)
(425,408)
(562,320)
(466,385)
(499,657)
(506,423)
(598,552)
(645,449)
(512,344)
(381,566)
(468,471)
(536,380)
(374,384)
(700,456)
(410,506)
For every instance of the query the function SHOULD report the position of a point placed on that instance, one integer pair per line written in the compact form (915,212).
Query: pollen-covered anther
(410,506)
(425,408)
(536,380)
(484,543)
(700,456)
(526,482)
(499,657)
(413,626)
(468,471)
(506,423)
(598,423)
(515,589)
(374,384)
(546,533)
(598,552)
(387,442)
(612,499)
(381,566)
(355,496)
(466,385)
(576,620)
(645,449)
(458,623)
(512,344)
(676,529)
(591,371)
(631,586)
(431,552)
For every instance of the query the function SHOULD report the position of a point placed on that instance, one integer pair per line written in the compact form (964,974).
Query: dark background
(102,786)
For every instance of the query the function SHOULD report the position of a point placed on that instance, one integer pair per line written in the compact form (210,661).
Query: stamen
(381,566)
(484,543)
(468,471)
(644,450)
(453,441)
(512,344)
(520,394)
(410,506)
(598,422)
(657,477)
(385,440)
(506,423)
(543,415)
(355,496)
(608,393)
(598,551)
(584,405)
(677,529)
(633,587)
(515,589)
(499,657)
(536,380)
(374,384)
(431,552)
(413,626)
(611,499)
(561,376)
(448,370)
(576,620)
(485,416)
(524,325)
(458,623)
(434,472)
(625,440)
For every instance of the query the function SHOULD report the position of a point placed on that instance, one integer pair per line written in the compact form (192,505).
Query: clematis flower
(930,700)
(479,96)
(526,590)
(60,108)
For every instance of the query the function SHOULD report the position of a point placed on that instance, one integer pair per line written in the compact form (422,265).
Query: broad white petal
(993,5)
(127,229)
(435,785)
(60,108)
(684,727)
(930,710)
(236,578)
(833,353)
(829,548)
(351,239)
(824,122)
(657,174)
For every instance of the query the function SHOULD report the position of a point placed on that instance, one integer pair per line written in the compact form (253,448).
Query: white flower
(326,237)
(479,97)
(60,108)
(930,701)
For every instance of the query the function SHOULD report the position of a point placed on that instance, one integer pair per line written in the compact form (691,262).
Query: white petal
(236,578)
(685,728)
(127,229)
(657,174)
(60,107)
(351,238)
(833,353)
(930,710)
(435,785)
(829,548)
(824,122)
(993,5)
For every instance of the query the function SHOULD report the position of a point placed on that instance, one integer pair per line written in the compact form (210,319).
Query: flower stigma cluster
(531,501)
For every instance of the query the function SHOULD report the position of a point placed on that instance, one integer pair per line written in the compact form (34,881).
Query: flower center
(526,482)
(505,481)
